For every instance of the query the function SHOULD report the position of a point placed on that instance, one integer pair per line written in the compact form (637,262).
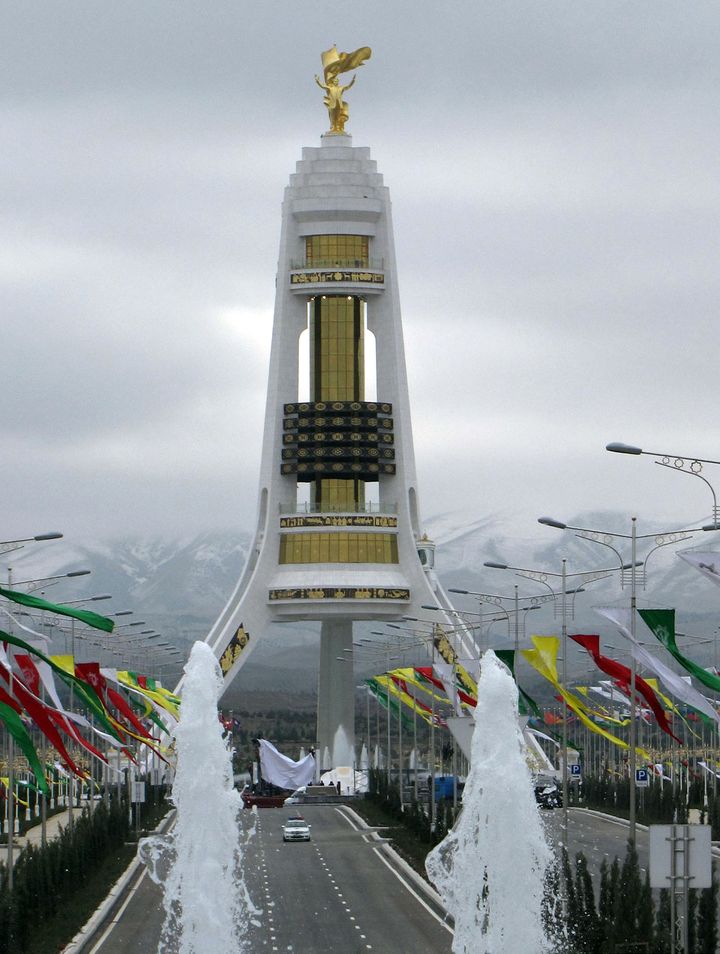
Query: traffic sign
(682,854)
(138,792)
(575,770)
(642,779)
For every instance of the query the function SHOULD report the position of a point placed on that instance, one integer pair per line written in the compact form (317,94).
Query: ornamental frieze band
(340,593)
(360,278)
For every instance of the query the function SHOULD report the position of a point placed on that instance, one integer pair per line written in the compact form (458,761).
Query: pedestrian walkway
(33,836)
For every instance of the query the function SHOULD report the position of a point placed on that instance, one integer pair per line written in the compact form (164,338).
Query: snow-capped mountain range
(179,586)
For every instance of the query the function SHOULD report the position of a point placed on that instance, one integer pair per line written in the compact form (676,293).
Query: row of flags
(123,706)
(428,691)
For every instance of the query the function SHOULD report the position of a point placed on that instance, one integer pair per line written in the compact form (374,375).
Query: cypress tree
(662,923)
(707,928)
(572,915)
(646,914)
(609,880)
(692,921)
(552,910)
(630,900)
(589,938)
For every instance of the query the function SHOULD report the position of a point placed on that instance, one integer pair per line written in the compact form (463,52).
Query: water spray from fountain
(490,868)
(199,865)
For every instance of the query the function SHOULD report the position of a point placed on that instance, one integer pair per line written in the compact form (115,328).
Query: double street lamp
(692,466)
(10,801)
(476,621)
(541,576)
(7,546)
(631,573)
(46,579)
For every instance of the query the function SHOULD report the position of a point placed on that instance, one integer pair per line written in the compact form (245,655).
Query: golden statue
(335,63)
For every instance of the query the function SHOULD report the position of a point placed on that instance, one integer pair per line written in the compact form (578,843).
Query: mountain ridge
(181,585)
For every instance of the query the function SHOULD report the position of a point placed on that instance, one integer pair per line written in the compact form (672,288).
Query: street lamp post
(71,781)
(8,546)
(401,643)
(607,539)
(10,801)
(45,579)
(499,601)
(541,576)
(692,466)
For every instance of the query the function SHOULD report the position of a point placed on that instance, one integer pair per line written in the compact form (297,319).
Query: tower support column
(336,694)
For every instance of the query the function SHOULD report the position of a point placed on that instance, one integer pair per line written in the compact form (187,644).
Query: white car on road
(296,829)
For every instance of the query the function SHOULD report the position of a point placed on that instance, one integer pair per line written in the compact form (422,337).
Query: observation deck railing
(368,507)
(371,264)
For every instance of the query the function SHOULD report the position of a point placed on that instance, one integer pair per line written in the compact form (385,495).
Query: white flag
(280,770)
(673,683)
(707,562)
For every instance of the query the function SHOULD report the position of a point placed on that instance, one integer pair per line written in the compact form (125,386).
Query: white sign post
(680,859)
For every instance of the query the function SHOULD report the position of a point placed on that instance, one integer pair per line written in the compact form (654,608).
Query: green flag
(386,700)
(526,703)
(82,688)
(13,723)
(85,616)
(662,624)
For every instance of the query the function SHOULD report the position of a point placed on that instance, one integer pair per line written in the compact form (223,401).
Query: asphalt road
(598,838)
(337,892)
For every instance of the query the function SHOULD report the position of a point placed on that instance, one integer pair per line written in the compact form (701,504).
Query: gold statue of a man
(335,63)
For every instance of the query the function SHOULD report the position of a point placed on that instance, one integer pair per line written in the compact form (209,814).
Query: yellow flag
(544,660)
(392,689)
(601,712)
(409,676)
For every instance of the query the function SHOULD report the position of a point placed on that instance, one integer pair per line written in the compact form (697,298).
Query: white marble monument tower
(339,537)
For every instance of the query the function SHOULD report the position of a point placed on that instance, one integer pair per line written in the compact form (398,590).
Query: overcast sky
(553,168)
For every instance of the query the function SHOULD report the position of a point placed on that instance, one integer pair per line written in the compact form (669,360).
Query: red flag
(425,672)
(121,705)
(591,643)
(90,673)
(29,671)
(69,728)
(40,714)
(32,680)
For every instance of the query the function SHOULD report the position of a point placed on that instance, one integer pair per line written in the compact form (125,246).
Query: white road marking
(111,926)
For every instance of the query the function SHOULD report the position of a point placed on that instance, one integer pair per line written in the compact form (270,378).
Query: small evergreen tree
(630,900)
(707,928)
(662,923)
(589,936)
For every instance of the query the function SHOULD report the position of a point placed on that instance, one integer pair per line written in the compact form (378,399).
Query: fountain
(490,868)
(198,865)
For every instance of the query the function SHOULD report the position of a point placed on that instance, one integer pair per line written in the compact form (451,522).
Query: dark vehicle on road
(547,793)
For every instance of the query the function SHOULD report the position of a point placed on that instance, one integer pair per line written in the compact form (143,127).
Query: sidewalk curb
(112,902)
(617,819)
(714,850)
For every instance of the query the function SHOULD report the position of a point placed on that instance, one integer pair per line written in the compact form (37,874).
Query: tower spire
(338,537)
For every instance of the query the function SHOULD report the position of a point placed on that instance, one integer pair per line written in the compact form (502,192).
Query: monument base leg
(336,695)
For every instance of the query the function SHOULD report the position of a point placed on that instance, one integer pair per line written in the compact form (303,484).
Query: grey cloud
(553,169)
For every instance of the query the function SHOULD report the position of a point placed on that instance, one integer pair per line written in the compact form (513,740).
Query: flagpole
(400,754)
(432,752)
(71,778)
(11,771)
(566,710)
(633,670)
